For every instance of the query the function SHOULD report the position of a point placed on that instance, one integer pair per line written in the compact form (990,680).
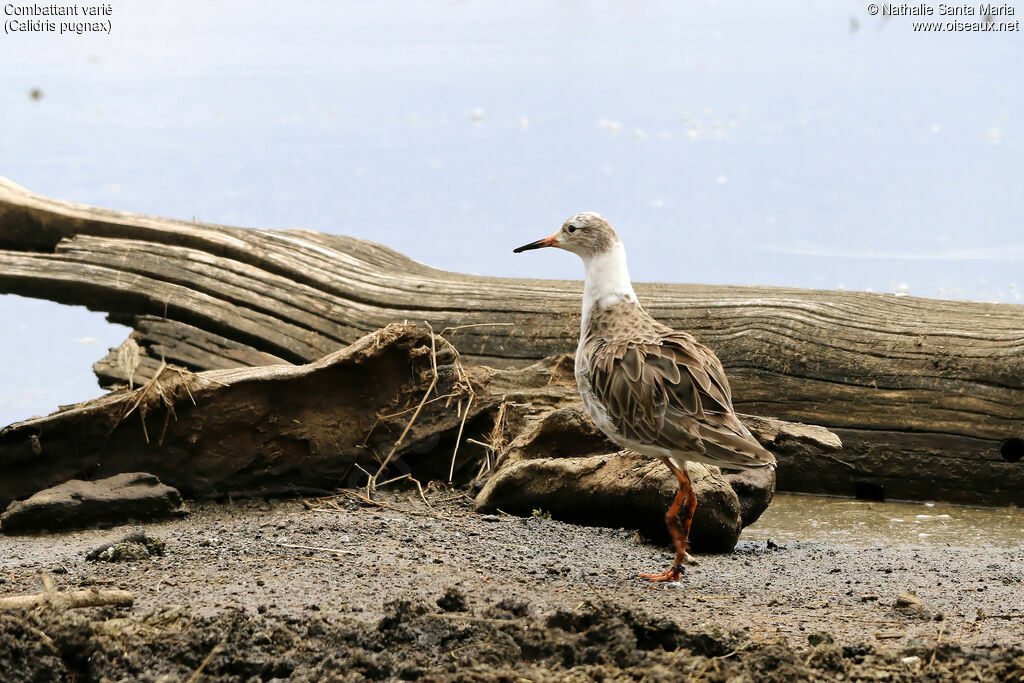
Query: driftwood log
(926,395)
(277,429)
(396,402)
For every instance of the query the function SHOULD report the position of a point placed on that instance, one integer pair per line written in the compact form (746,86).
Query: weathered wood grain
(927,395)
(179,344)
(398,399)
(260,430)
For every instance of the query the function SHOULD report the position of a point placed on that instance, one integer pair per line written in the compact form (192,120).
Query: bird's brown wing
(670,391)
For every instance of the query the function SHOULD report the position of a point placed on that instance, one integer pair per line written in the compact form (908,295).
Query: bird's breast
(591,403)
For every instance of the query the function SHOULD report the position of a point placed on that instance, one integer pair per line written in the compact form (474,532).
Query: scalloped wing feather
(663,388)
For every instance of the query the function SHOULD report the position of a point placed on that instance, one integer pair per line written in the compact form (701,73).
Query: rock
(755,490)
(76,504)
(782,435)
(569,432)
(908,604)
(565,466)
(907,599)
(617,490)
(124,552)
(130,548)
(565,432)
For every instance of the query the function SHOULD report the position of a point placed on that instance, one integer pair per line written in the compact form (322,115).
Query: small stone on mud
(908,604)
(131,548)
(907,599)
(124,552)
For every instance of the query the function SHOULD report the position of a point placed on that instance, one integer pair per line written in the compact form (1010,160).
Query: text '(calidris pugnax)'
(650,388)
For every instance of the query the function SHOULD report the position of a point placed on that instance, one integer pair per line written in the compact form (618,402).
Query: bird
(651,389)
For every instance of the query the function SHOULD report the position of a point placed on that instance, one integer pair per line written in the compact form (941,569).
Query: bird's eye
(571,228)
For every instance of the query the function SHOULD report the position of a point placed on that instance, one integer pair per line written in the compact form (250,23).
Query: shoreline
(251,559)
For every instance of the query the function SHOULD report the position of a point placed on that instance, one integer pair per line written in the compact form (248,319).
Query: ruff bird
(651,389)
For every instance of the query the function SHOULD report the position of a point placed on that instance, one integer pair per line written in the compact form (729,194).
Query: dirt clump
(130,548)
(415,641)
(405,588)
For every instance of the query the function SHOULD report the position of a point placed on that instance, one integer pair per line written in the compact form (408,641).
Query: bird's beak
(546,242)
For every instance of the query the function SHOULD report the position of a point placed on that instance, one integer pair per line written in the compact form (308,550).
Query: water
(789,143)
(797,518)
(47,352)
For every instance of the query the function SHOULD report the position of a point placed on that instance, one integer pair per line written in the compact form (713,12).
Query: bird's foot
(675,571)
(671,574)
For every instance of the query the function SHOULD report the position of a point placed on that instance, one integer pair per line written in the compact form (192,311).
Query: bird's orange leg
(685,502)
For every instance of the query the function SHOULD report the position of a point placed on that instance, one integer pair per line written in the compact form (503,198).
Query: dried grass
(462,390)
(160,392)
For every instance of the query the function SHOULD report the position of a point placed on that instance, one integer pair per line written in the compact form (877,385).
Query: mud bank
(333,587)
(445,640)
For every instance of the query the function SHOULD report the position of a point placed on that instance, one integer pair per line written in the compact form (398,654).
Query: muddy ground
(409,592)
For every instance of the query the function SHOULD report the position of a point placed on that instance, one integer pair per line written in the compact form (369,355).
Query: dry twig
(458,438)
(63,600)
(462,387)
(371,484)
(199,672)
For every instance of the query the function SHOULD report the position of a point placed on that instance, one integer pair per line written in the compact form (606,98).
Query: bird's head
(585,234)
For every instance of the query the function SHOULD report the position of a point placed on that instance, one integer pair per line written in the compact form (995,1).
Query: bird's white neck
(607,280)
